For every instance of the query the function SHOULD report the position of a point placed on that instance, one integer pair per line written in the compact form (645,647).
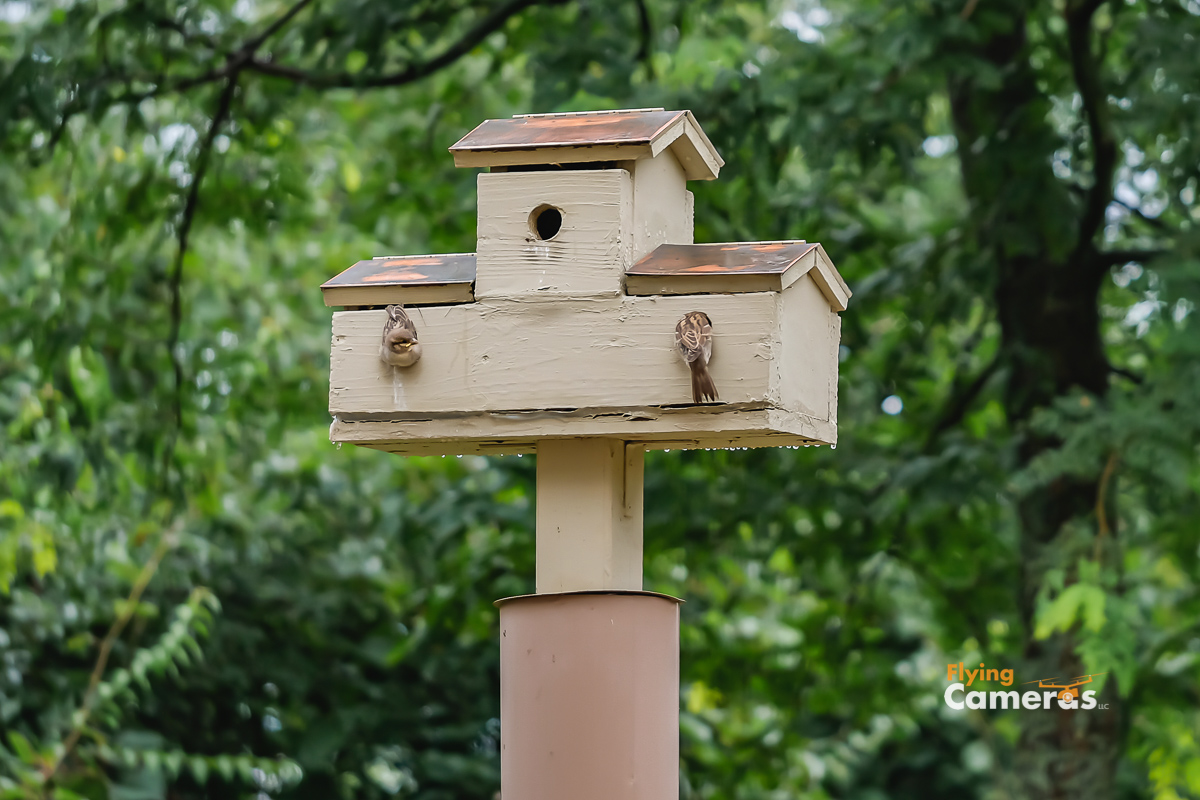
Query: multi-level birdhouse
(586,328)
(563,322)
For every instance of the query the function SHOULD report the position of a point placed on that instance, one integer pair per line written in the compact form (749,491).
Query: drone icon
(1068,693)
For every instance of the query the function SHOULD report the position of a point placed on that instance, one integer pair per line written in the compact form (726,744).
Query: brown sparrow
(693,337)
(399,347)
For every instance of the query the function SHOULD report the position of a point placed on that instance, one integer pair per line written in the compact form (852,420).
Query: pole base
(589,696)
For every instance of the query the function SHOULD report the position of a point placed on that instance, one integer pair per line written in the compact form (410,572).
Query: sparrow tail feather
(703,387)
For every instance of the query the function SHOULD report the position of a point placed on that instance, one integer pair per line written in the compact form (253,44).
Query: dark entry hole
(546,221)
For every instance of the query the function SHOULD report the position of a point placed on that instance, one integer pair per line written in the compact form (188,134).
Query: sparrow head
(399,347)
(400,353)
(401,337)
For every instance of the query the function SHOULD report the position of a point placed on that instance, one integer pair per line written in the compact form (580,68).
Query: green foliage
(1010,190)
(81,760)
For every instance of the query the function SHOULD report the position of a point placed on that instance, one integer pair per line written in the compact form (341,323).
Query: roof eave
(694,151)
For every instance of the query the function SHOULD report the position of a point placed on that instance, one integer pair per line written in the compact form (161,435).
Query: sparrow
(693,337)
(399,347)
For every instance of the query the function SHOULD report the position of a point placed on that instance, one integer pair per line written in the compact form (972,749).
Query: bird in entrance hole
(693,337)
(399,347)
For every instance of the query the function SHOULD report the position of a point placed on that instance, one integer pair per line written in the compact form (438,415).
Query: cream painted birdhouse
(563,322)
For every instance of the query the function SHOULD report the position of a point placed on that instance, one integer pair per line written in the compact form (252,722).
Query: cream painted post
(589,515)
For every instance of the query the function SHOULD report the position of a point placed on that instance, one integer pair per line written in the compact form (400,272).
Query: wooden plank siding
(515,368)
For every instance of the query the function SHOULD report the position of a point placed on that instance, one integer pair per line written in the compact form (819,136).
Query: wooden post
(589,515)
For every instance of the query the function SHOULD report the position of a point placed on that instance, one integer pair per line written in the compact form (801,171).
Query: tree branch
(645,50)
(232,68)
(242,60)
(1103,530)
(1086,72)
(1108,259)
(253,44)
(333,80)
(110,639)
(166,23)
(203,156)
(1153,222)
(1133,376)
(160,84)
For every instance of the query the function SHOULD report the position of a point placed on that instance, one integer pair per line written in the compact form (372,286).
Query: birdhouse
(587,328)
(563,322)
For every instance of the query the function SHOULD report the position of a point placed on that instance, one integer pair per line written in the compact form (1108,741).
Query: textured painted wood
(830,281)
(655,429)
(589,515)
(661,212)
(589,254)
(412,294)
(503,355)
(805,365)
(696,154)
(689,215)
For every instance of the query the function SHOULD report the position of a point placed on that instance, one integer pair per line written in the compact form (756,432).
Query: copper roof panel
(737,258)
(569,130)
(407,271)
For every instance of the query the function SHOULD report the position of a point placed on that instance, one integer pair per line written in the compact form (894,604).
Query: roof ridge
(588,113)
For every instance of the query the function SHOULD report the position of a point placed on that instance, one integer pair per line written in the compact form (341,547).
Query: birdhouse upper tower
(573,200)
(563,322)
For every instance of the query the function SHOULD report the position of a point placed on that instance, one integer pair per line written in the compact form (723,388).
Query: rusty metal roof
(721,259)
(407,271)
(735,267)
(569,130)
(590,136)
(393,279)
(669,269)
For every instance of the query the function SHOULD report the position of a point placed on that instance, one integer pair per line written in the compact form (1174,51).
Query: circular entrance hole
(545,221)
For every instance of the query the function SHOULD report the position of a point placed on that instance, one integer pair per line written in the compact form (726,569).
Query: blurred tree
(1010,189)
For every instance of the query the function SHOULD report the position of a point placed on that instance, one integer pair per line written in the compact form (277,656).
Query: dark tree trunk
(1046,283)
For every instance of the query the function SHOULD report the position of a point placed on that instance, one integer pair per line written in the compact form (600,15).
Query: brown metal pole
(589,696)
